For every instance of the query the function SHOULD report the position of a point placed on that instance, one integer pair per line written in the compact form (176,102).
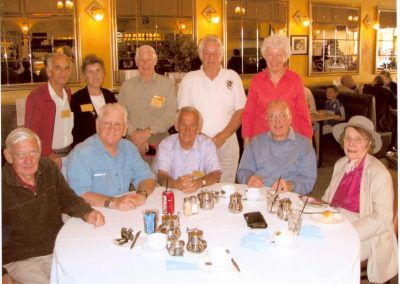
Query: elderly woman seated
(362,190)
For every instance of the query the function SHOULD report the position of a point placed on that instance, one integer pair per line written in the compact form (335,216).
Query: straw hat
(363,123)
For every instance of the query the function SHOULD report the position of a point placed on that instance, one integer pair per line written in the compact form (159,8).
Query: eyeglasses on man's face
(33,154)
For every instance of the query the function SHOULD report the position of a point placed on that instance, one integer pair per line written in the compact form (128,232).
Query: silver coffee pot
(195,242)
(206,199)
(170,226)
(235,203)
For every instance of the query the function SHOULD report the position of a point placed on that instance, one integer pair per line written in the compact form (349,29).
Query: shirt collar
(152,78)
(205,75)
(195,146)
(265,73)
(54,95)
(100,147)
(291,135)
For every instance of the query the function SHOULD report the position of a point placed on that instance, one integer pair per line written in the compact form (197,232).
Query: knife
(235,264)
(136,238)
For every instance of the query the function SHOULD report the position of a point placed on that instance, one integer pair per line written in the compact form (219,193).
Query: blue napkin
(311,231)
(178,265)
(254,240)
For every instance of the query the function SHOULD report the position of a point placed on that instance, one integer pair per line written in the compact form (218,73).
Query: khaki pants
(34,270)
(228,155)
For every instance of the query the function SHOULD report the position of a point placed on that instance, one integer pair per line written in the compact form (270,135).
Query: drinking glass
(294,222)
(272,201)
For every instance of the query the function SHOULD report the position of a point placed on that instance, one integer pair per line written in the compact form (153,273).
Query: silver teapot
(284,208)
(235,203)
(206,199)
(195,242)
(170,226)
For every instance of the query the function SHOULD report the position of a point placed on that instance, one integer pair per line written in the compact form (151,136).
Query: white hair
(276,41)
(188,109)
(114,106)
(207,39)
(143,48)
(21,134)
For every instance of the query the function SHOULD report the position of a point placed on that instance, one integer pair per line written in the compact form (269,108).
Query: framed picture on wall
(299,44)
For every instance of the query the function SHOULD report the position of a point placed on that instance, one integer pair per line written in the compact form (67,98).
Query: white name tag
(99,175)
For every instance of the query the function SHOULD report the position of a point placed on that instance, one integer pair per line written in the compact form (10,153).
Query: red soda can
(168,202)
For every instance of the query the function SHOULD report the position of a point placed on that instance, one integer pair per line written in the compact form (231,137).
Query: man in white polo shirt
(219,96)
(48,112)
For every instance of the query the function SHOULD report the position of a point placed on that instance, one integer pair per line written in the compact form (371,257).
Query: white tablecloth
(84,254)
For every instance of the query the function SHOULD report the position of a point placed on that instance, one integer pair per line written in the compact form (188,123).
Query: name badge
(65,113)
(87,107)
(157,101)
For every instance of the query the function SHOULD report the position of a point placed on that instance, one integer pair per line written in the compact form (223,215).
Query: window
(29,31)
(335,36)
(386,45)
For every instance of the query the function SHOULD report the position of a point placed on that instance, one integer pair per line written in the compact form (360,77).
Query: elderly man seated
(280,152)
(187,160)
(34,194)
(102,167)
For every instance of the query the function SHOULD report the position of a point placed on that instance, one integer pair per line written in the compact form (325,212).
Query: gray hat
(363,123)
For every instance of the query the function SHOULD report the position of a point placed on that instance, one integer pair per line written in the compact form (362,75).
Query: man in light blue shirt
(280,152)
(101,168)
(188,160)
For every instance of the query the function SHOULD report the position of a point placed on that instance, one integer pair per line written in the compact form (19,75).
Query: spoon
(233,261)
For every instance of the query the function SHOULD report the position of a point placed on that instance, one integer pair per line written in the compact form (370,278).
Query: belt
(63,151)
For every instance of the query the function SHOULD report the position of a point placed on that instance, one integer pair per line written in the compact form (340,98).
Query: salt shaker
(195,207)
(187,206)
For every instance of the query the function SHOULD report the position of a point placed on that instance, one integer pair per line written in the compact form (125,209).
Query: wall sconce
(300,19)
(24,27)
(368,22)
(375,25)
(240,10)
(210,14)
(96,11)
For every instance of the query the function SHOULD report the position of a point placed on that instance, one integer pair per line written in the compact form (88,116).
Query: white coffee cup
(253,193)
(229,189)
(219,256)
(156,241)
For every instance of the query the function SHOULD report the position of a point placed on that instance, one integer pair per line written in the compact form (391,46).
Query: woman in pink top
(362,190)
(275,82)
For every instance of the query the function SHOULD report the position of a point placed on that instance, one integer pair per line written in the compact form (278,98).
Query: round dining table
(322,253)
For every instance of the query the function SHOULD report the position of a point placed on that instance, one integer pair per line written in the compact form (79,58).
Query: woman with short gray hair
(275,82)
(87,102)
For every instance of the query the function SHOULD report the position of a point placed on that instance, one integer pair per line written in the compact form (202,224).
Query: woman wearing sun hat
(362,190)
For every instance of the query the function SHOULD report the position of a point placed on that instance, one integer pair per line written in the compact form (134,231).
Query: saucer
(204,264)
(146,247)
(336,218)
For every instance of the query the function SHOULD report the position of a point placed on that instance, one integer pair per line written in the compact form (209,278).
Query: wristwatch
(108,202)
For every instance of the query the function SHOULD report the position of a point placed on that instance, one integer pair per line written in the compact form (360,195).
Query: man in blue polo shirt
(101,168)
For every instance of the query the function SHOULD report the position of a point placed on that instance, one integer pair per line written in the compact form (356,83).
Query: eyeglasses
(23,155)
(115,125)
(277,116)
(355,140)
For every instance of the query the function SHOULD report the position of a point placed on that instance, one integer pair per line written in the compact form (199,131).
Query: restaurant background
(96,37)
